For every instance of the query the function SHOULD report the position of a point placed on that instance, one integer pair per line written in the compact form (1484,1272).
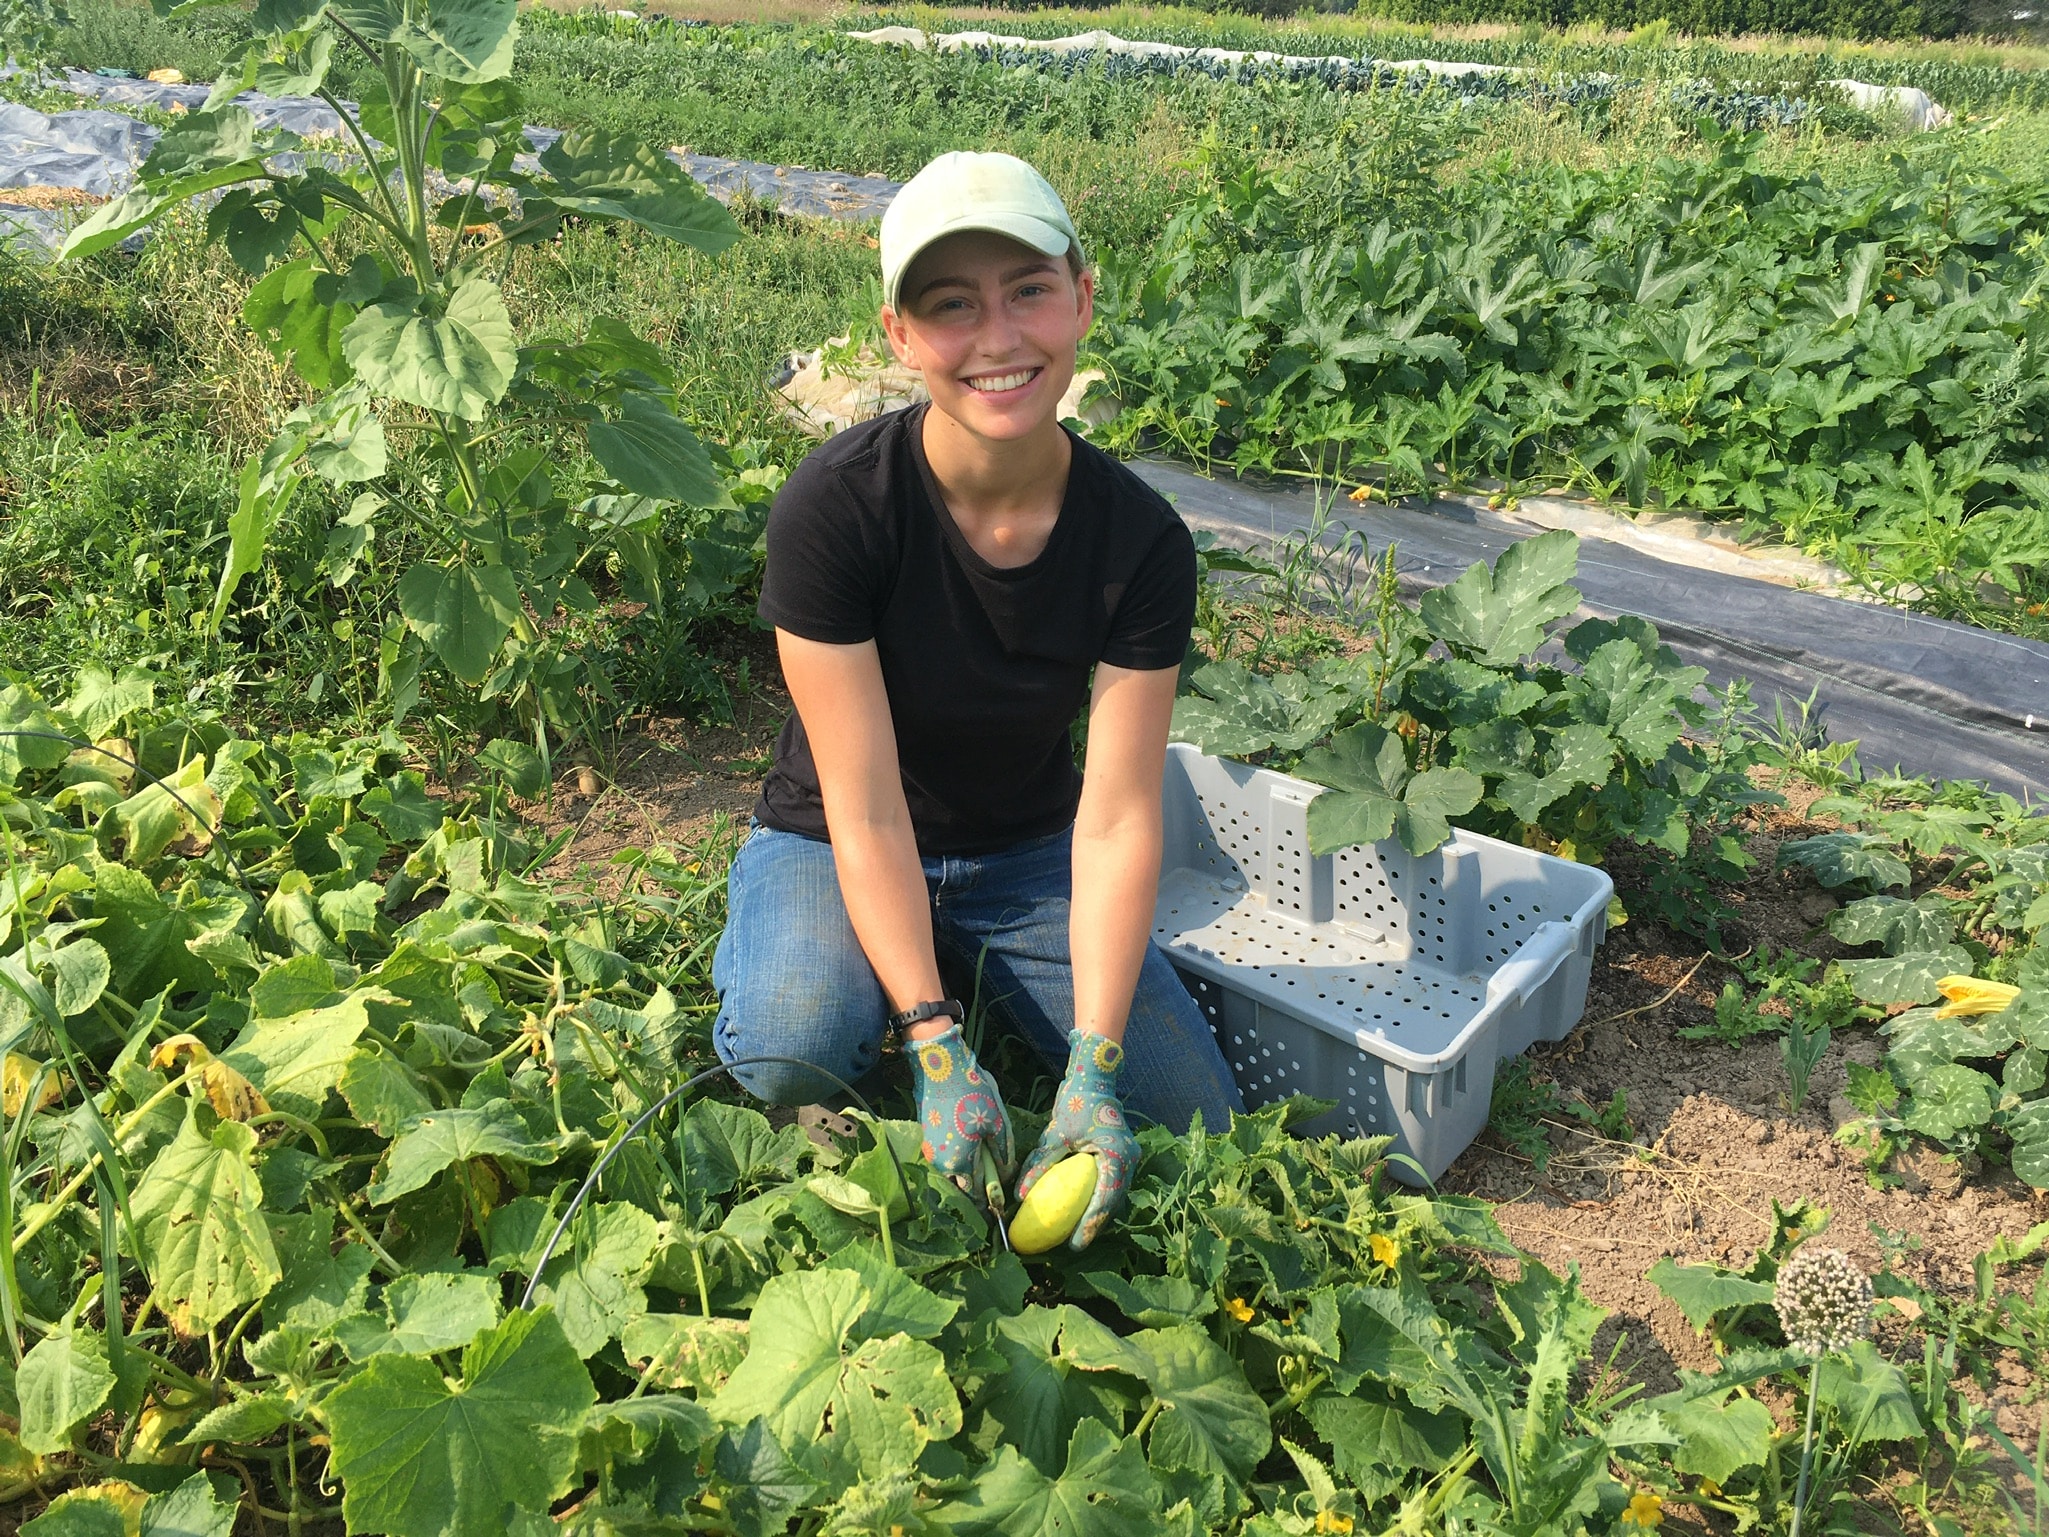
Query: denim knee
(805,1028)
(792,980)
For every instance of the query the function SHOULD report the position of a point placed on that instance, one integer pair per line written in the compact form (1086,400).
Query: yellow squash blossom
(1331,1521)
(1385,1250)
(1971,995)
(1646,1510)
(1240,1309)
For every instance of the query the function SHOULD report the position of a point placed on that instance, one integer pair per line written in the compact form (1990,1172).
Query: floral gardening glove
(1088,1119)
(960,1110)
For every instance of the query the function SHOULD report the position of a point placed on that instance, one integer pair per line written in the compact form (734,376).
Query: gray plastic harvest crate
(1388,983)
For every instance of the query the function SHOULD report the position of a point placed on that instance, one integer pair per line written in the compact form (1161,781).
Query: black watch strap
(918,1013)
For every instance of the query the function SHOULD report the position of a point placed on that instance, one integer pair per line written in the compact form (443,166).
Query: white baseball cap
(966,190)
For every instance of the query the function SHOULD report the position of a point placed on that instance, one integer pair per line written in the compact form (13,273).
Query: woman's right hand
(960,1110)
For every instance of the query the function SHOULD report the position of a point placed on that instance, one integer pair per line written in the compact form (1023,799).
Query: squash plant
(1449,716)
(380,278)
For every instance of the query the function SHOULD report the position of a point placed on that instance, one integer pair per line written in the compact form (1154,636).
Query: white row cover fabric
(1920,110)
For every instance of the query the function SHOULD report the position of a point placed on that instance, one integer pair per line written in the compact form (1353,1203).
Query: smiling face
(992,325)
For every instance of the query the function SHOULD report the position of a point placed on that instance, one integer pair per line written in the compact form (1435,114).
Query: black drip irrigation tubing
(1927,696)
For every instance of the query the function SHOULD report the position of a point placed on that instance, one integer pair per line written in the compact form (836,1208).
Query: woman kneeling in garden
(944,583)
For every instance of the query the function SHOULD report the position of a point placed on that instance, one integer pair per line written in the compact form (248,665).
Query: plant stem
(1806,1448)
(1145,1420)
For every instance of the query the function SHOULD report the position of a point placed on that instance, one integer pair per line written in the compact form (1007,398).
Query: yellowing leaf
(233,1097)
(17,1074)
(122,1501)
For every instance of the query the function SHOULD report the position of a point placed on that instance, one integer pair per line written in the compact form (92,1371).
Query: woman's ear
(898,337)
(1085,298)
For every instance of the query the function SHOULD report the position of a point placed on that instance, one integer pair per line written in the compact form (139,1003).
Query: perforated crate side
(1388,982)
(1433,1117)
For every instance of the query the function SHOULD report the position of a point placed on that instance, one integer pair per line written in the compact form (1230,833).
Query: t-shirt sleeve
(1150,628)
(821,578)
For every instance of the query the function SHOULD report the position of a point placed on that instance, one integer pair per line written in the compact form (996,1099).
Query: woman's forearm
(1110,919)
(883,884)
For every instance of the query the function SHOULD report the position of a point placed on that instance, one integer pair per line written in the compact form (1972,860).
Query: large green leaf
(1843,859)
(22,711)
(1621,691)
(300,312)
(1894,922)
(849,1407)
(462,612)
(198,1214)
(1452,692)
(1104,1490)
(296,1062)
(381,1091)
(1372,1436)
(61,1381)
(1210,1421)
(1498,617)
(593,1281)
(457,362)
(192,1509)
(1238,712)
(727,1146)
(1948,1100)
(467,41)
(100,702)
(765,1484)
(419,1455)
(434,1142)
(1578,756)
(321,1284)
(1909,978)
(1702,1291)
(200,142)
(606,176)
(2029,1128)
(423,1314)
(1868,1396)
(1719,1433)
(1373,795)
(1048,1390)
(648,450)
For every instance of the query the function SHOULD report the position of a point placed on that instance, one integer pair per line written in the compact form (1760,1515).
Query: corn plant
(380,278)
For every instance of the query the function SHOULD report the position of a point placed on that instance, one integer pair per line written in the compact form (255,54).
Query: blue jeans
(792,979)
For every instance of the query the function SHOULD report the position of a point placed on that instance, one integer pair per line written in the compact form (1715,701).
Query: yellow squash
(1050,1213)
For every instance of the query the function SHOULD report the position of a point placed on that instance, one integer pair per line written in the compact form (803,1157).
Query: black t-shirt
(986,667)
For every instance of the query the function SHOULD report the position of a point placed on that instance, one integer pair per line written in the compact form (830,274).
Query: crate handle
(1541,955)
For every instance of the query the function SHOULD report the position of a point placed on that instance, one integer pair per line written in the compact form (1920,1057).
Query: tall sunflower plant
(381,268)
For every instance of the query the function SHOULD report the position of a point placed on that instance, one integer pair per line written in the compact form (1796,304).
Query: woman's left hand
(1087,1118)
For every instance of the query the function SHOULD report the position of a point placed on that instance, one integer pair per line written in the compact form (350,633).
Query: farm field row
(331,981)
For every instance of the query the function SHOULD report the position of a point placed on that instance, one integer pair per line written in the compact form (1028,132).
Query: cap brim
(1046,238)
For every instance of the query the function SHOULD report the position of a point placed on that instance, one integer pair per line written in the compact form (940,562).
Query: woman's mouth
(1001,384)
